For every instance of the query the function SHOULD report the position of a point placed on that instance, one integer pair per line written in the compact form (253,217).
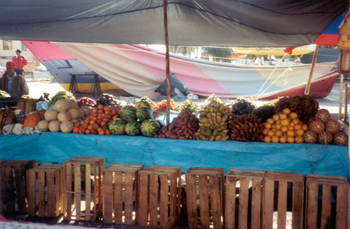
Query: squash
(66,126)
(87,110)
(73,103)
(41,113)
(43,125)
(32,120)
(30,106)
(62,105)
(51,115)
(21,105)
(54,126)
(64,116)
(74,113)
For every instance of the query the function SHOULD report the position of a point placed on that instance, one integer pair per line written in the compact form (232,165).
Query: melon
(149,128)
(144,104)
(62,105)
(43,125)
(143,113)
(64,116)
(133,128)
(117,126)
(73,103)
(41,113)
(74,112)
(51,115)
(81,113)
(54,126)
(87,110)
(66,126)
(128,113)
(32,120)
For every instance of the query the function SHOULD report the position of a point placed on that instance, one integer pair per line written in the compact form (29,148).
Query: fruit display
(340,138)
(3,115)
(325,137)
(213,123)
(108,100)
(284,127)
(117,126)
(211,101)
(61,95)
(305,106)
(143,113)
(144,103)
(317,126)
(242,106)
(188,105)
(310,137)
(149,128)
(85,101)
(245,128)
(162,105)
(133,128)
(184,126)
(128,113)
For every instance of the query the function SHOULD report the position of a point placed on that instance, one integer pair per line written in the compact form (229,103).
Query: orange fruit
(296,121)
(267,139)
(286,111)
(305,127)
(290,139)
(265,131)
(291,128)
(278,121)
(300,132)
(285,122)
(283,116)
(290,133)
(284,129)
(283,139)
(267,125)
(297,127)
(275,139)
(293,115)
(278,126)
(299,139)
(270,120)
(291,124)
(271,133)
(273,126)
(279,133)
(276,117)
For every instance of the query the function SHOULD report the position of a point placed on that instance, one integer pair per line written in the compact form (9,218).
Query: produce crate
(205,197)
(82,191)
(243,199)
(13,185)
(281,181)
(45,190)
(320,211)
(159,197)
(119,194)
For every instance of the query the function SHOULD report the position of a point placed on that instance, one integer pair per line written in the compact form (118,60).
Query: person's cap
(10,64)
(18,50)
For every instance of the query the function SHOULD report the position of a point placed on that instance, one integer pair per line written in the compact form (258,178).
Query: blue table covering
(293,158)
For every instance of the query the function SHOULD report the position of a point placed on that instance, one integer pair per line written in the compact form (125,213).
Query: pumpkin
(30,106)
(64,116)
(41,113)
(54,126)
(32,120)
(51,115)
(21,105)
(62,105)
(43,125)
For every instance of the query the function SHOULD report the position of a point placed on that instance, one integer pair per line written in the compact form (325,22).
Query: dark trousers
(20,72)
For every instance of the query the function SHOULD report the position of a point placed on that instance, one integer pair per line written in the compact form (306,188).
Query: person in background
(20,61)
(12,83)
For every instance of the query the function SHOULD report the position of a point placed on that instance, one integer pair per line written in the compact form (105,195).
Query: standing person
(20,61)
(12,83)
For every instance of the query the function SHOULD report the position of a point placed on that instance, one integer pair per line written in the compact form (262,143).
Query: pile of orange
(284,127)
(98,121)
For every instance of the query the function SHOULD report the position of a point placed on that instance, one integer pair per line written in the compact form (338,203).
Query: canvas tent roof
(255,23)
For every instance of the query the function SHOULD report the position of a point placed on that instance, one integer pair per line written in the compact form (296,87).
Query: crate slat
(256,203)
(191,201)
(118,197)
(311,211)
(107,193)
(41,193)
(164,199)
(326,205)
(341,209)
(153,200)
(51,196)
(31,191)
(243,203)
(203,201)
(128,198)
(268,203)
(282,204)
(298,206)
(216,193)
(88,192)
(230,206)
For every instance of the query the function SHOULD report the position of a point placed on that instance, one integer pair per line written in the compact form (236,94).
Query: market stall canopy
(257,23)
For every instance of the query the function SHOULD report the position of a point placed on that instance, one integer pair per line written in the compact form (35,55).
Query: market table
(294,158)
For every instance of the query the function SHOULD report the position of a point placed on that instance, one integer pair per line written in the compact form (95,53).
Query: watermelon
(160,123)
(117,126)
(133,128)
(143,113)
(128,113)
(144,104)
(149,128)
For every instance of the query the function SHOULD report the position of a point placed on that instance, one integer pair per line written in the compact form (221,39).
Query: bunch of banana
(189,105)
(3,115)
(148,100)
(212,101)
(213,123)
(246,128)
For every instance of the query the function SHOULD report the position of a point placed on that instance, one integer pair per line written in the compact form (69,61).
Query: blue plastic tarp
(293,158)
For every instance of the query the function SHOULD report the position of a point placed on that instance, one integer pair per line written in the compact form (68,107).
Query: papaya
(21,105)
(31,120)
(30,106)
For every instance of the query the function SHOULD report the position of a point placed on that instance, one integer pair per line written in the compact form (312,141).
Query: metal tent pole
(314,59)
(167,63)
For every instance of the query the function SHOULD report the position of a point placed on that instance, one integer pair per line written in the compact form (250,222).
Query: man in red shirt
(20,62)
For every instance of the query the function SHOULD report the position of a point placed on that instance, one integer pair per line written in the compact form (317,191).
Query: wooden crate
(243,199)
(282,181)
(13,184)
(205,197)
(119,194)
(159,196)
(45,190)
(82,193)
(320,212)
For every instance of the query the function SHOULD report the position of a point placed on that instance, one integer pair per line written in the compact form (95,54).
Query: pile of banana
(3,115)
(305,106)
(213,123)
(211,101)
(246,128)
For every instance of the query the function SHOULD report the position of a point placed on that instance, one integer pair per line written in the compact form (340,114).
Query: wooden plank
(164,199)
(107,192)
(57,192)
(62,185)
(179,190)
(298,205)
(9,188)
(118,200)
(94,196)
(215,198)
(326,206)
(41,193)
(191,201)
(204,201)
(173,197)
(77,190)
(282,204)
(100,169)
(51,196)
(256,203)
(32,192)
(153,200)
(19,170)
(341,211)
(268,203)
(230,206)
(312,199)
(88,194)
(142,210)
(243,204)
(128,198)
